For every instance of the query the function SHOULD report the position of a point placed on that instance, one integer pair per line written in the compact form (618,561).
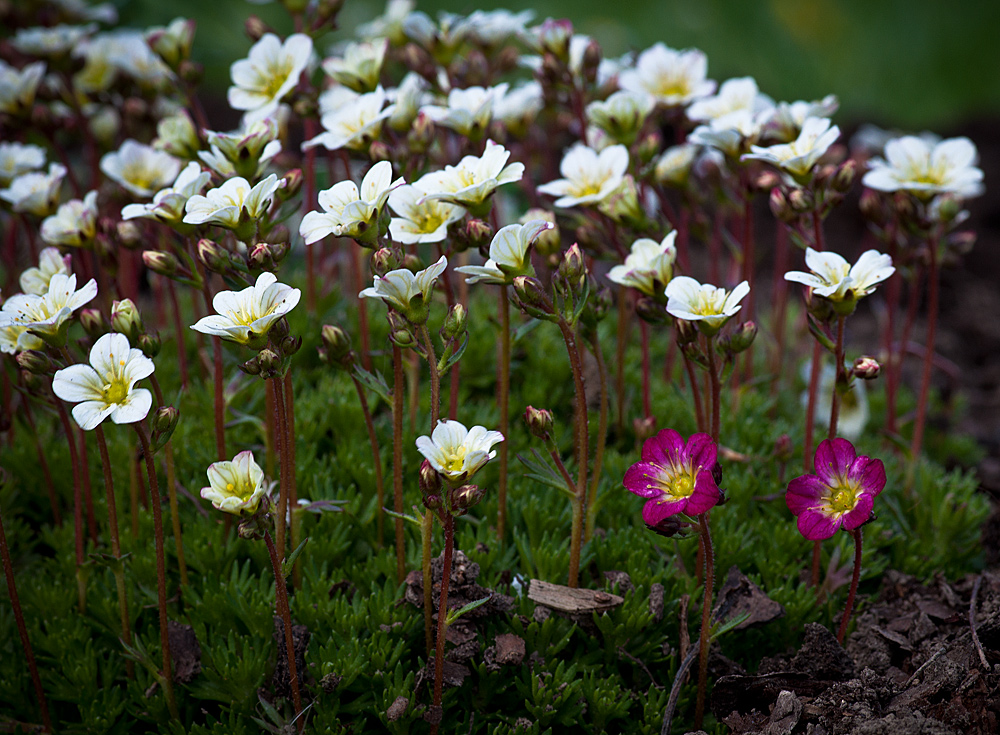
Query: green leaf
(454,615)
(543,472)
(448,359)
(287,564)
(373,382)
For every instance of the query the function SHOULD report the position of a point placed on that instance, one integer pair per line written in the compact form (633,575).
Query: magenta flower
(675,476)
(841,493)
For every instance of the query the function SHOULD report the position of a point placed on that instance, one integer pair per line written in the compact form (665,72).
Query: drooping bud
(125,319)
(539,422)
(337,345)
(213,256)
(35,362)
(780,207)
(430,480)
(383,261)
(843,178)
(163,423)
(251,366)
(270,363)
(401,331)
(866,368)
(531,297)
(93,323)
(149,343)
(159,261)
(455,324)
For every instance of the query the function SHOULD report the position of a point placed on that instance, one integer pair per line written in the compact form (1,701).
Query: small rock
(330,682)
(510,649)
(785,715)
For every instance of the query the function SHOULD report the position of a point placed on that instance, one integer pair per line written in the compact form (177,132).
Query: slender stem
(781,299)
(179,331)
(706,620)
(449,545)
(503,399)
(281,602)
(602,438)
(582,450)
(838,370)
(161,571)
(81,581)
(427,549)
(623,319)
(133,493)
(357,271)
(220,406)
(281,522)
(647,404)
(699,410)
(849,608)
(175,517)
(397,459)
(817,549)
(22,629)
(376,457)
(270,440)
(807,450)
(435,378)
(892,299)
(933,284)
(293,494)
(88,499)
(713,374)
(557,459)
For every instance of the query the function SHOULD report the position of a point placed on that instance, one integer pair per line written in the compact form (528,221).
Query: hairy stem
(293,494)
(81,581)
(713,374)
(376,457)
(706,620)
(855,577)
(838,370)
(397,459)
(933,285)
(281,602)
(503,399)
(582,451)
(442,627)
(647,403)
(814,372)
(427,549)
(175,518)
(435,378)
(602,438)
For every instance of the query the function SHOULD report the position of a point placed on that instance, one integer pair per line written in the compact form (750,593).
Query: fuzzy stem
(179,331)
(293,494)
(284,472)
(647,404)
(892,299)
(713,374)
(849,608)
(602,438)
(22,629)
(807,449)
(435,378)
(133,493)
(427,549)
(175,518)
(503,398)
(582,450)
(161,571)
(839,369)
(376,456)
(397,459)
(357,272)
(442,627)
(699,409)
(706,620)
(270,440)
(220,406)
(933,284)
(622,337)
(781,299)
(281,602)
(81,582)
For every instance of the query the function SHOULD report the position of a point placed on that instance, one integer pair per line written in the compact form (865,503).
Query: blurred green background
(911,64)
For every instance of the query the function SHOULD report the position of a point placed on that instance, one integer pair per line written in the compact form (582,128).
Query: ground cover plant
(475,383)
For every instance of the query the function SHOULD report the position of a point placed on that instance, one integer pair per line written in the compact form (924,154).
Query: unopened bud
(379,151)
(947,207)
(780,207)
(539,422)
(261,257)
(433,501)
(292,183)
(290,345)
(214,257)
(255,28)
(92,321)
(279,330)
(465,497)
(327,10)
(687,332)
(400,331)
(128,234)
(163,423)
(644,428)
(800,200)
(149,343)
(250,367)
(866,368)
(743,337)
(478,233)
(844,176)
(532,298)
(651,311)
(125,319)
(455,324)
(649,147)
(430,480)
(766,179)
(669,527)
(421,133)
(591,61)
(962,242)
(383,261)
(337,344)
(573,268)
(36,385)
(35,362)
(270,363)
(159,261)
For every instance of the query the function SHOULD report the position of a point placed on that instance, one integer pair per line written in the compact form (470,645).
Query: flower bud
(947,207)
(430,480)
(379,151)
(465,497)
(251,366)
(433,502)
(649,147)
(421,134)
(162,424)
(800,200)
(669,527)
(455,324)
(292,183)
(191,72)
(651,311)
(35,362)
(261,257)
(400,331)
(279,330)
(149,343)
(125,319)
(158,261)
(214,257)
(598,305)
(92,321)
(844,176)
(36,385)
(539,422)
(269,362)
(327,10)
(255,28)
(743,337)
(780,207)
(383,261)
(644,428)
(290,345)
(573,268)
(337,344)
(591,61)
(531,297)
(553,37)
(866,368)
(687,332)
(478,233)
(128,234)
(766,179)
(872,207)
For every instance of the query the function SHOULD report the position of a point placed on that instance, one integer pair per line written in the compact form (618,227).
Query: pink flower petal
(804,493)
(833,459)
(665,448)
(656,510)
(871,474)
(706,493)
(861,513)
(700,452)
(640,479)
(816,525)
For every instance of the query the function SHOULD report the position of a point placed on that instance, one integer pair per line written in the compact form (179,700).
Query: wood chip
(570,600)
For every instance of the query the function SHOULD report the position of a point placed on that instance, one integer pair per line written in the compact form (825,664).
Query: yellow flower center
(276,76)
(707,304)
(116,390)
(844,499)
(454,460)
(677,485)
(672,86)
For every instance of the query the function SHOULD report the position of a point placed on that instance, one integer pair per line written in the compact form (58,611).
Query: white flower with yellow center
(420,221)
(833,278)
(47,314)
(52,41)
(270,71)
(243,153)
(50,262)
(235,486)
(140,168)
(168,204)
(407,292)
(355,124)
(800,156)
(621,115)
(456,452)
(674,165)
(787,118)
(18,87)
(730,133)
(671,77)
(734,95)
(246,316)
(469,111)
(34,192)
(233,204)
(589,177)
(360,66)
(15,337)
(349,212)
(705,304)
(74,224)
(923,168)
(19,158)
(649,263)
(508,254)
(472,182)
(106,387)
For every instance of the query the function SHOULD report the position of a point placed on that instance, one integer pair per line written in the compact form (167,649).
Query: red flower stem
(602,438)
(46,474)
(397,459)
(503,399)
(88,499)
(706,620)
(647,404)
(748,270)
(817,549)
(699,410)
(356,257)
(74,461)
(892,298)
(849,608)
(427,550)
(838,371)
(376,457)
(582,450)
(29,654)
(713,374)
(283,472)
(270,438)
(781,299)
(116,549)
(933,283)
(133,493)
(161,570)
(179,332)
(435,378)
(442,627)
(715,246)
(623,321)
(807,450)
(175,517)
(220,407)
(293,494)
(281,602)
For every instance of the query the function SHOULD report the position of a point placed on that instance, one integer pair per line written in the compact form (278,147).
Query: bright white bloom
(74,224)
(674,165)
(799,156)
(361,65)
(34,192)
(18,87)
(469,111)
(442,38)
(407,292)
(332,99)
(19,158)
(140,168)
(52,41)
(232,204)
(457,452)
(912,164)
(621,115)
(588,177)
(168,204)
(671,77)
(48,313)
(734,95)
(472,182)
(106,387)
(519,107)
(246,316)
(129,53)
(834,278)
(355,124)
(235,486)
(493,27)
(649,263)
(348,212)
(420,221)
(508,254)
(407,100)
(731,132)
(390,23)
(36,280)
(787,118)
(245,152)
(271,70)
(704,303)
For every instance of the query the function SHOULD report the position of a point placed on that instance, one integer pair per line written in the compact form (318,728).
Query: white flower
(912,164)
(672,77)
(106,387)
(621,115)
(731,132)
(420,221)
(588,177)
(787,118)
(140,168)
(491,28)
(15,337)
(469,111)
(348,212)
(648,263)
(74,224)
(695,302)
(168,204)
(270,71)
(472,182)
(232,204)
(390,23)
(407,99)
(177,135)
(246,316)
(674,165)
(19,158)
(519,107)
(400,289)
(36,280)
(508,254)
(837,280)
(47,314)
(456,452)
(18,87)
(52,41)
(799,156)
(235,486)
(441,38)
(173,42)
(361,65)
(245,152)
(355,124)
(128,52)
(35,192)
(734,95)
